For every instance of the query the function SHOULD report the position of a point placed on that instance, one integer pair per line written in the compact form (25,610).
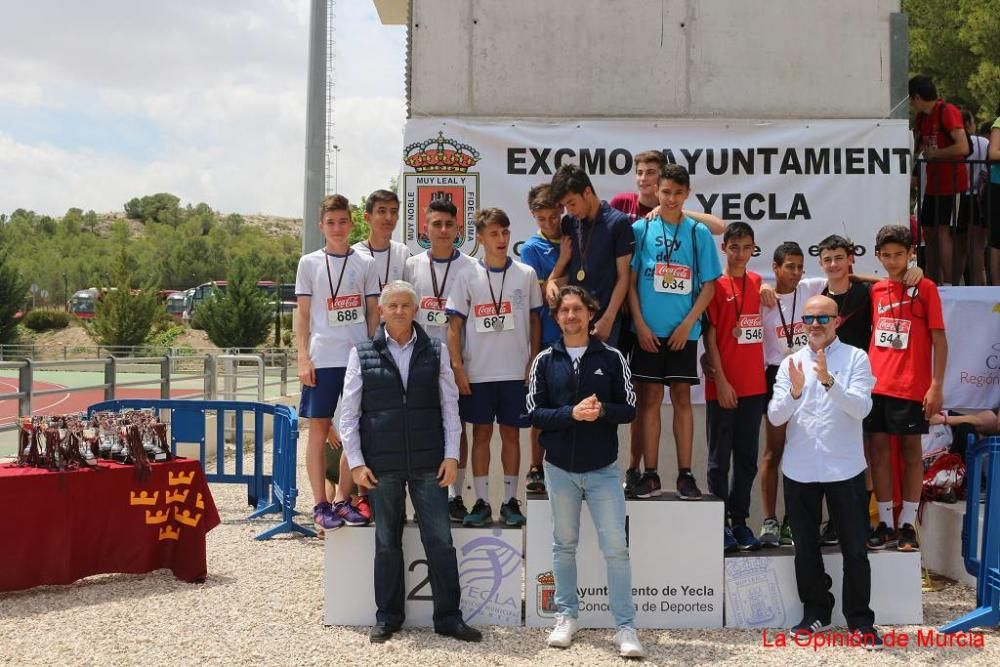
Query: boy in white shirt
(337,291)
(382,214)
(498,312)
(437,274)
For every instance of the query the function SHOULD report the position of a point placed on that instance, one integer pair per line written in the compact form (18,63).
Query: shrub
(44,319)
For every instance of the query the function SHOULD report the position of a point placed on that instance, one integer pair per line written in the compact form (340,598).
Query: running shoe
(363,507)
(882,536)
(729,543)
(627,641)
(632,479)
(348,514)
(535,482)
(562,634)
(325,518)
(687,488)
(456,509)
(828,536)
(786,533)
(770,533)
(648,486)
(481,514)
(869,638)
(745,538)
(510,513)
(907,539)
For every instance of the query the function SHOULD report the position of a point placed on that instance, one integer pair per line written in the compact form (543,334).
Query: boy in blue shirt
(540,252)
(674,268)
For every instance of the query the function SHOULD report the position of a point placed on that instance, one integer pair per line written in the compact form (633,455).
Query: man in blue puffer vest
(401,430)
(579,391)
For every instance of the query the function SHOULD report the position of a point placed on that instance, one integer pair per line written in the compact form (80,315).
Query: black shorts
(896,416)
(626,340)
(936,210)
(770,374)
(970,211)
(665,366)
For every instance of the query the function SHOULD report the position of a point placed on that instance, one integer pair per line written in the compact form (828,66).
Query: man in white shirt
(823,392)
(400,427)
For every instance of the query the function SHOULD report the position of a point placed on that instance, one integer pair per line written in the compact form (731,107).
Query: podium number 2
(412,595)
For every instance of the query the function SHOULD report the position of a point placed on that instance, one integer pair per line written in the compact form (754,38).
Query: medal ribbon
(329,278)
(434,280)
(496,302)
(781,313)
(388,262)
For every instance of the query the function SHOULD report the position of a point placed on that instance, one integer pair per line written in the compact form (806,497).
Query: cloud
(204,100)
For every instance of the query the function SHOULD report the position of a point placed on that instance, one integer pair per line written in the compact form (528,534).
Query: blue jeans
(430,501)
(606,501)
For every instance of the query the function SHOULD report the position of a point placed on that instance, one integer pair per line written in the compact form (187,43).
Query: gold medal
(580,275)
(440,318)
(897,343)
(737,332)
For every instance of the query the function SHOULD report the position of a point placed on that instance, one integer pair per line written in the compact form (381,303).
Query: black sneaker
(687,488)
(809,625)
(868,638)
(632,479)
(481,514)
(907,540)
(535,481)
(881,537)
(828,536)
(456,509)
(510,513)
(648,486)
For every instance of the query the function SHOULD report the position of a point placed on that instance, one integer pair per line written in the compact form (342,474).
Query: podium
(761,591)
(489,571)
(675,548)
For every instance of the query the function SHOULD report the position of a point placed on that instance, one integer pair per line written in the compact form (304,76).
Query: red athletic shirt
(905,371)
(743,357)
(950,176)
(628,202)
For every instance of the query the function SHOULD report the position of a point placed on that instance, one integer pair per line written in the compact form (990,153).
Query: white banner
(972,323)
(793,180)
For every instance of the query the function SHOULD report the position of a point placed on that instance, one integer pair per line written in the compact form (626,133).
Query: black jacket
(554,388)
(401,429)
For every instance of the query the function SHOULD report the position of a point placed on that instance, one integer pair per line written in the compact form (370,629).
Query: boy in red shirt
(908,352)
(736,391)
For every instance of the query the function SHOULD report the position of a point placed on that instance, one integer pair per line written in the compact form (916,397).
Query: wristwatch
(828,383)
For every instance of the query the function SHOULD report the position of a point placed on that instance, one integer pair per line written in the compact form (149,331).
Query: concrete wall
(654,58)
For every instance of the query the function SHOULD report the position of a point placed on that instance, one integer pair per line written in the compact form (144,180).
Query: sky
(106,100)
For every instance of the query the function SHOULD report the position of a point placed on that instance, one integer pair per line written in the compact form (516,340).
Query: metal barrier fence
(220,376)
(982,562)
(274,493)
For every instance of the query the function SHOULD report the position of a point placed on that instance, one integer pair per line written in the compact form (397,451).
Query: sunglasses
(822,319)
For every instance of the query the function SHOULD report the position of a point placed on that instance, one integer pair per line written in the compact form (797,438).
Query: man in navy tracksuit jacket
(579,391)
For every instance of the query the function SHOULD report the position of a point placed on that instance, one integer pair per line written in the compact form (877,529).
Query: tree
(162,207)
(239,316)
(124,317)
(955,43)
(12,291)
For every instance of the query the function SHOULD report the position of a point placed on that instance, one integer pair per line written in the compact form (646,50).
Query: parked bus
(286,293)
(83,303)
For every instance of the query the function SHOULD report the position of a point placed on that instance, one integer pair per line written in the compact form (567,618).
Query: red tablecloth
(57,527)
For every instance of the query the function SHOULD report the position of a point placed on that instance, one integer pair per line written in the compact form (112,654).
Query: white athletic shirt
(418,274)
(392,258)
(775,345)
(335,327)
(575,353)
(497,347)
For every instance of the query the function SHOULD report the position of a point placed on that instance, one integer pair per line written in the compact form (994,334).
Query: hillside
(272,225)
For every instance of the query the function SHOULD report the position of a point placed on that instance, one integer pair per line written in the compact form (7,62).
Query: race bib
(799,336)
(432,313)
(488,320)
(751,329)
(345,311)
(672,278)
(886,335)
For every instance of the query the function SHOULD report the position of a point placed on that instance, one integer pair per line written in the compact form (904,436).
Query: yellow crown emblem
(200,502)
(142,498)
(546,578)
(440,155)
(178,497)
(186,518)
(153,518)
(180,479)
(170,533)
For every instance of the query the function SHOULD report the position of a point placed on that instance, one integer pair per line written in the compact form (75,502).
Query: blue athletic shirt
(541,254)
(665,303)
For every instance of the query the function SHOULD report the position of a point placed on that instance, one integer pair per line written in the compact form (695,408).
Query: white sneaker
(562,635)
(627,641)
